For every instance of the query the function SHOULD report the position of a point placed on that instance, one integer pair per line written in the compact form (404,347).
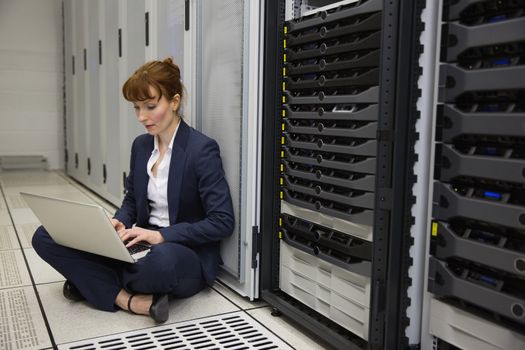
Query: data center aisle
(35,315)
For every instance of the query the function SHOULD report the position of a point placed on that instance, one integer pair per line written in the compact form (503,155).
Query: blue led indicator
(497,18)
(488,280)
(490,108)
(501,62)
(495,195)
(489,150)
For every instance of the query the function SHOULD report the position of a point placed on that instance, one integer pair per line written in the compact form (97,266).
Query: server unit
(477,265)
(338,165)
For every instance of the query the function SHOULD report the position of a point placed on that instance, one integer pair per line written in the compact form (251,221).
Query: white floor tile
(68,192)
(65,317)
(5,219)
(8,239)
(243,303)
(25,233)
(13,269)
(42,272)
(22,326)
(23,216)
(2,203)
(281,325)
(30,178)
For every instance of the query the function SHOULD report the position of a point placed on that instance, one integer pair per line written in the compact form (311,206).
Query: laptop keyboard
(137,248)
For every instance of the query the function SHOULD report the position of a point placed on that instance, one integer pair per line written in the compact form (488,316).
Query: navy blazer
(199,200)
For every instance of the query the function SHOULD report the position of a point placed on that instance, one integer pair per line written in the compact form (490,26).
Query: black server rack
(477,258)
(338,137)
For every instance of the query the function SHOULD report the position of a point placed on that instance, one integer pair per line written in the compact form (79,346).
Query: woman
(177,200)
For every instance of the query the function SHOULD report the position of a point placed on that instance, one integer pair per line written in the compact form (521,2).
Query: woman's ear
(175,102)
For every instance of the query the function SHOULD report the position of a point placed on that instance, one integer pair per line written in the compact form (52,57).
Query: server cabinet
(69,72)
(131,53)
(106,43)
(78,117)
(167,31)
(93,106)
(107,57)
(340,101)
(227,93)
(476,267)
(165,27)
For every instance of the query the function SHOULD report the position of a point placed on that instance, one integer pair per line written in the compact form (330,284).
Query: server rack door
(109,100)
(164,23)
(79,136)
(93,105)
(166,20)
(476,268)
(69,77)
(131,34)
(223,112)
(151,14)
(134,44)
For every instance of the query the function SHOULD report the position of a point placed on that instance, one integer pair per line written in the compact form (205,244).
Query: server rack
(477,263)
(338,141)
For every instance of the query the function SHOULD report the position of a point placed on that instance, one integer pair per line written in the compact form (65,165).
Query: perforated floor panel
(13,270)
(8,238)
(21,323)
(235,331)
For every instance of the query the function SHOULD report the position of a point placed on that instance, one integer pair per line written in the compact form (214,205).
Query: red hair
(163,76)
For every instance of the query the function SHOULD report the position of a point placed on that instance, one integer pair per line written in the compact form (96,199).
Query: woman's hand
(139,234)
(117,225)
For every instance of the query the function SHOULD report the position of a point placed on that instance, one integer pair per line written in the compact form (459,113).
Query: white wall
(31,107)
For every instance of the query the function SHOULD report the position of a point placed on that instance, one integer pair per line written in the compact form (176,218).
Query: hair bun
(169,61)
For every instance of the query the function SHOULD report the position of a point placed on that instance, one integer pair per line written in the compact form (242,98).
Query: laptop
(82,226)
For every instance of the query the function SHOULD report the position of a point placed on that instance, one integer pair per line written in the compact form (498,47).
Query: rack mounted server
(478,228)
(333,171)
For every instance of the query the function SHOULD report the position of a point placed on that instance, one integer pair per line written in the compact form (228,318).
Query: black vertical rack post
(477,260)
(338,135)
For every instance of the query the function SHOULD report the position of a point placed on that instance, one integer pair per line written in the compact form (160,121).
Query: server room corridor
(35,315)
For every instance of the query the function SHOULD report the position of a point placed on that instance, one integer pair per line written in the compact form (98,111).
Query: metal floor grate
(236,331)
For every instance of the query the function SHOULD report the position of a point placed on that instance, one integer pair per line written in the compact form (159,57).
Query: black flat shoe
(71,292)
(160,308)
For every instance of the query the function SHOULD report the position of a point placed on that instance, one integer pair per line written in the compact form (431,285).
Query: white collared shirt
(158,186)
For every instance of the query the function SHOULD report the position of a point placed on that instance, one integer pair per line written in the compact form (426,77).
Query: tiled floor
(35,315)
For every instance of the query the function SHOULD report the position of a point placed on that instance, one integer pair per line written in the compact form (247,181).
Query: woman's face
(157,115)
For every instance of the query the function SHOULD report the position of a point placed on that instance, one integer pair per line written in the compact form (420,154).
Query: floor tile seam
(15,287)
(9,249)
(234,303)
(46,283)
(146,328)
(225,297)
(268,329)
(35,290)
(256,308)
